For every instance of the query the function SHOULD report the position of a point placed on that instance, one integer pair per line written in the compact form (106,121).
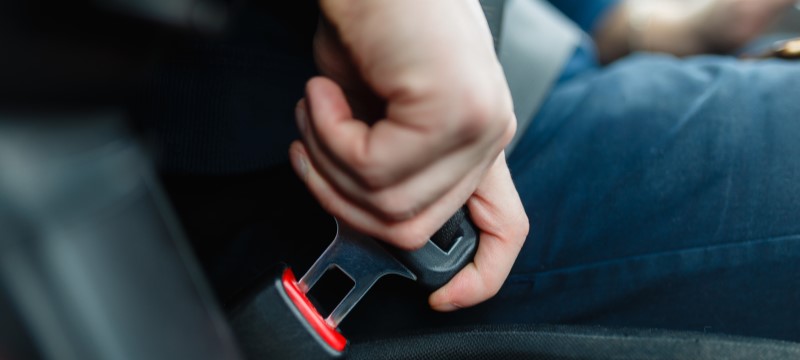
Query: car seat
(93,264)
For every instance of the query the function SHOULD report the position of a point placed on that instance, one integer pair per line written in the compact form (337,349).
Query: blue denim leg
(662,193)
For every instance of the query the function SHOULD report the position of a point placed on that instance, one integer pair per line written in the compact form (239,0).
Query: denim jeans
(662,193)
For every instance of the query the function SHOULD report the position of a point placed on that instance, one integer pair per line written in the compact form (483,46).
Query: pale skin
(685,27)
(411,115)
(407,123)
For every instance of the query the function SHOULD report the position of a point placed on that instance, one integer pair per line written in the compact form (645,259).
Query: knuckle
(489,114)
(509,133)
(394,207)
(371,176)
(520,228)
(408,238)
(523,232)
(478,116)
(490,287)
(369,172)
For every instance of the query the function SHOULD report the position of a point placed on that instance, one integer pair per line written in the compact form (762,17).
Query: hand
(411,113)
(723,26)
(408,124)
(496,210)
(685,27)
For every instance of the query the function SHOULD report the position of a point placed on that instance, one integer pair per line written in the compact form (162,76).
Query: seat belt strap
(535,43)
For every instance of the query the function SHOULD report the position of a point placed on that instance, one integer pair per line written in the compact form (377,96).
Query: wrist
(639,20)
(612,36)
(665,26)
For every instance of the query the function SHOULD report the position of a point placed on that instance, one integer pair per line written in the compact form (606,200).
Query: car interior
(94,263)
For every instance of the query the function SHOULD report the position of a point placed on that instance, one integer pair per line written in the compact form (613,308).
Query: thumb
(497,212)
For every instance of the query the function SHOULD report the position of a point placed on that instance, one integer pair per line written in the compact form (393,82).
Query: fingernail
(302,118)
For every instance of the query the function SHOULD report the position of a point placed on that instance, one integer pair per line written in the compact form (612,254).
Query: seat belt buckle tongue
(362,259)
(276,318)
(365,260)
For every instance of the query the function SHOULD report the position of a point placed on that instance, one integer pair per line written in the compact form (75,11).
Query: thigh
(663,192)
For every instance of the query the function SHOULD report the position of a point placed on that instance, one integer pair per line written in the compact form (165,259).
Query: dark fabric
(242,226)
(217,115)
(225,104)
(546,342)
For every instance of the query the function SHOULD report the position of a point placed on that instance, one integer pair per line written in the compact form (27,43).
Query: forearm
(684,28)
(656,26)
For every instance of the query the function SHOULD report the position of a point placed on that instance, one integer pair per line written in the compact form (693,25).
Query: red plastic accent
(331,336)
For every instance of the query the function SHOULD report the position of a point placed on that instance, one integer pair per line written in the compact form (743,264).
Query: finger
(498,213)
(337,174)
(409,234)
(402,200)
(405,234)
(392,203)
(390,150)
(328,197)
